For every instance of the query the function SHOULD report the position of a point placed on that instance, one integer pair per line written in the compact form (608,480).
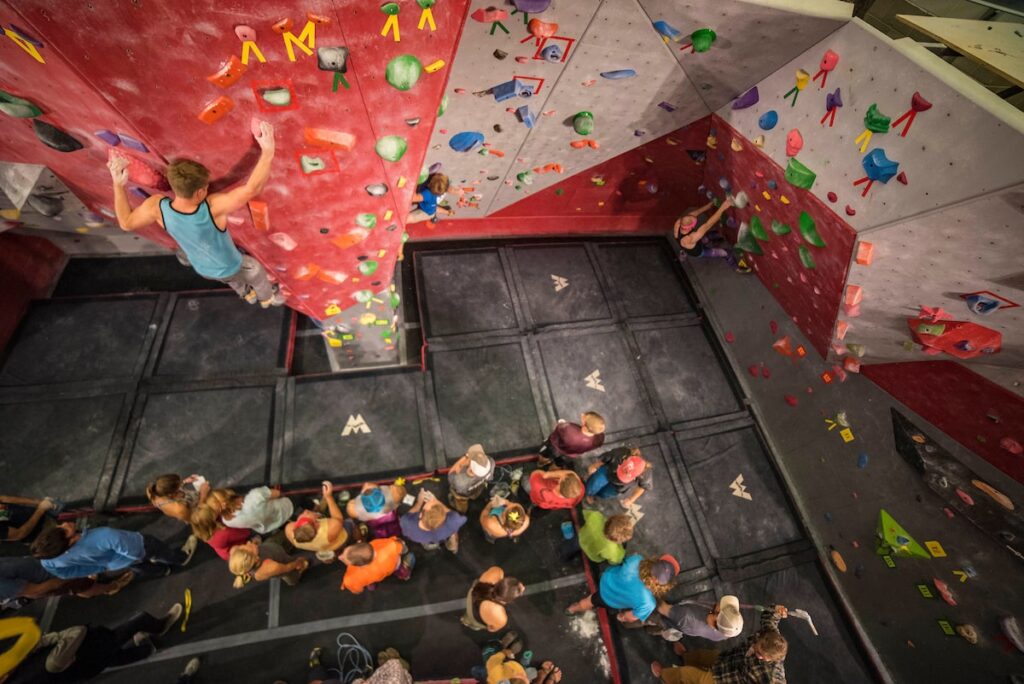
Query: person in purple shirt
(68,554)
(429,522)
(571,440)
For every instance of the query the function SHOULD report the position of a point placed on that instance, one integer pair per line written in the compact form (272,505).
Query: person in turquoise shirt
(632,588)
(197,220)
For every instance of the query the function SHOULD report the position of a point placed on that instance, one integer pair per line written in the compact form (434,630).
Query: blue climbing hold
(618,74)
(773,185)
(526,116)
(878,167)
(667,30)
(531,6)
(466,141)
(509,89)
(862,460)
(768,120)
(551,53)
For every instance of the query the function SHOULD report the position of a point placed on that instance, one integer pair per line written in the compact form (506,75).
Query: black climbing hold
(500,54)
(413,121)
(46,205)
(493,178)
(51,136)
(325,231)
(393,226)
(497,128)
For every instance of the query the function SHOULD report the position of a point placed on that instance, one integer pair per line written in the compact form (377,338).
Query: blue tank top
(210,250)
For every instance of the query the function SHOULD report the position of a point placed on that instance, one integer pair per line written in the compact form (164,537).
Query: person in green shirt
(601,538)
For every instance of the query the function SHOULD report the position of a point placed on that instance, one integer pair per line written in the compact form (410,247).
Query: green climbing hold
(875,121)
(894,540)
(757,228)
(426,4)
(363,296)
(424,174)
(780,228)
(405,237)
(391,147)
(583,123)
(525,177)
(701,39)
(799,175)
(367,220)
(403,72)
(368,267)
(311,164)
(559,192)
(19,108)
(809,230)
(389,8)
(395,300)
(443,107)
(745,240)
(805,257)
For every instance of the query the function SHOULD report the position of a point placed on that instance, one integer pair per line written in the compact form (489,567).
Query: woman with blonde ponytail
(260,562)
(207,524)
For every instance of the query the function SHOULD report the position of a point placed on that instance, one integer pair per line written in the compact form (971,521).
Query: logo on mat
(594,381)
(355,424)
(739,489)
(560,282)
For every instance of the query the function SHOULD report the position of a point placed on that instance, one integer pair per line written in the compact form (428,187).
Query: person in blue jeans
(632,588)
(68,554)
(621,473)
(197,220)
(427,199)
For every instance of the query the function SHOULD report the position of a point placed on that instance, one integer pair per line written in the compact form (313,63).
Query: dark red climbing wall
(613,197)
(966,406)
(811,297)
(28,268)
(149,63)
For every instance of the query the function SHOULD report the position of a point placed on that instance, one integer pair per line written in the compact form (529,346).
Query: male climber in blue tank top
(197,220)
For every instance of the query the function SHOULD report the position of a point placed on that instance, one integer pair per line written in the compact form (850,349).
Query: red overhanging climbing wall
(639,191)
(811,296)
(142,69)
(971,409)
(28,268)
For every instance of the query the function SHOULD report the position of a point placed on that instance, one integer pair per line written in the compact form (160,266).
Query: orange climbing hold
(837,560)
(318,19)
(548,168)
(865,253)
(541,29)
(580,144)
(784,346)
(230,71)
(853,295)
(307,272)
(214,111)
(260,213)
(324,137)
(283,25)
(842,327)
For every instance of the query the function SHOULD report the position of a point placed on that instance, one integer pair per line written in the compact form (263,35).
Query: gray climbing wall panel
(619,37)
(753,39)
(476,70)
(931,260)
(970,142)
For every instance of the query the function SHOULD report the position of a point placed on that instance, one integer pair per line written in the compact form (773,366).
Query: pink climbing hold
(902,177)
(730,338)
(245,33)
(949,513)
(851,364)
(1011,445)
(850,211)
(833,197)
(460,91)
(964,496)
(794,143)
(522,60)
(753,369)
(791,400)
(944,591)
(765,373)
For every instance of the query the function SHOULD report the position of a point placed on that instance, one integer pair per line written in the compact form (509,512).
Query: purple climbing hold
(639,133)
(618,74)
(25,35)
(878,167)
(747,99)
(138,192)
(531,6)
(833,100)
(134,144)
(108,137)
(551,53)
(667,106)
(526,116)
(435,167)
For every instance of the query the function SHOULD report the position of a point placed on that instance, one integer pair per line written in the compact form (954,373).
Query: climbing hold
(780,228)
(390,8)
(366,220)
(443,107)
(51,136)
(283,25)
(509,89)
(391,147)
(500,54)
(526,116)
(809,231)
(667,106)
(802,78)
(332,59)
(283,241)
(833,101)
(805,257)
(551,53)
(109,137)
(827,64)
(862,460)
(758,141)
(667,31)
(943,588)
(875,121)
(794,143)
(311,164)
(799,175)
(279,96)
(792,401)
(17,107)
(466,141)
(832,197)
(736,145)
(368,267)
(745,240)
(768,120)
(878,167)
(740,200)
(488,15)
(773,185)
(132,143)
(414,121)
(323,137)
(712,142)
(837,559)
(541,29)
(583,123)
(865,253)
(229,72)
(747,99)
(917,104)
(318,19)
(246,34)
(729,337)
(403,72)
(757,228)
(702,38)
(363,296)
(902,177)
(618,74)
(46,205)
(968,632)
(1011,445)
(377,189)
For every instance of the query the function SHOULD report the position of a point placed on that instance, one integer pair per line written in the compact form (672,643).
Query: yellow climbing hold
(367,319)
(783,199)
(401,182)
(712,142)
(388,214)
(332,310)
(736,146)
(434,66)
(82,229)
(766,195)
(380,255)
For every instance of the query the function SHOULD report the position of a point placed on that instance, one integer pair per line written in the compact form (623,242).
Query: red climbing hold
(902,177)
(850,211)
(949,513)
(753,369)
(833,197)
(730,338)
(918,103)
(784,346)
(1011,445)
(765,373)
(541,29)
(790,399)
(488,15)
(774,327)
(851,364)
(283,25)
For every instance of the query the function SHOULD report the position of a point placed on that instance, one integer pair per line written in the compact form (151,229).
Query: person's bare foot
(556,675)
(120,582)
(656,668)
(679,648)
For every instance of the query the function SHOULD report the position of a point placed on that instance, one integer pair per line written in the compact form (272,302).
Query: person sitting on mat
(468,478)
(758,661)
(571,440)
(207,525)
(371,562)
(502,519)
(262,509)
(621,473)
(690,238)
(324,536)
(427,199)
(68,554)
(430,523)
(22,519)
(391,669)
(260,562)
(632,588)
(177,497)
(487,598)
(692,618)
(197,220)
(555,489)
(378,508)
(600,538)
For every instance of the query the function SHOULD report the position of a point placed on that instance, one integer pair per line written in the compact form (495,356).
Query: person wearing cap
(691,618)
(632,588)
(313,532)
(503,519)
(378,508)
(468,478)
(621,473)
(758,661)
(430,523)
(571,440)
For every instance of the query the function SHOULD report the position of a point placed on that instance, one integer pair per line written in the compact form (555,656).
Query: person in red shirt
(369,563)
(555,489)
(207,525)
(571,440)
